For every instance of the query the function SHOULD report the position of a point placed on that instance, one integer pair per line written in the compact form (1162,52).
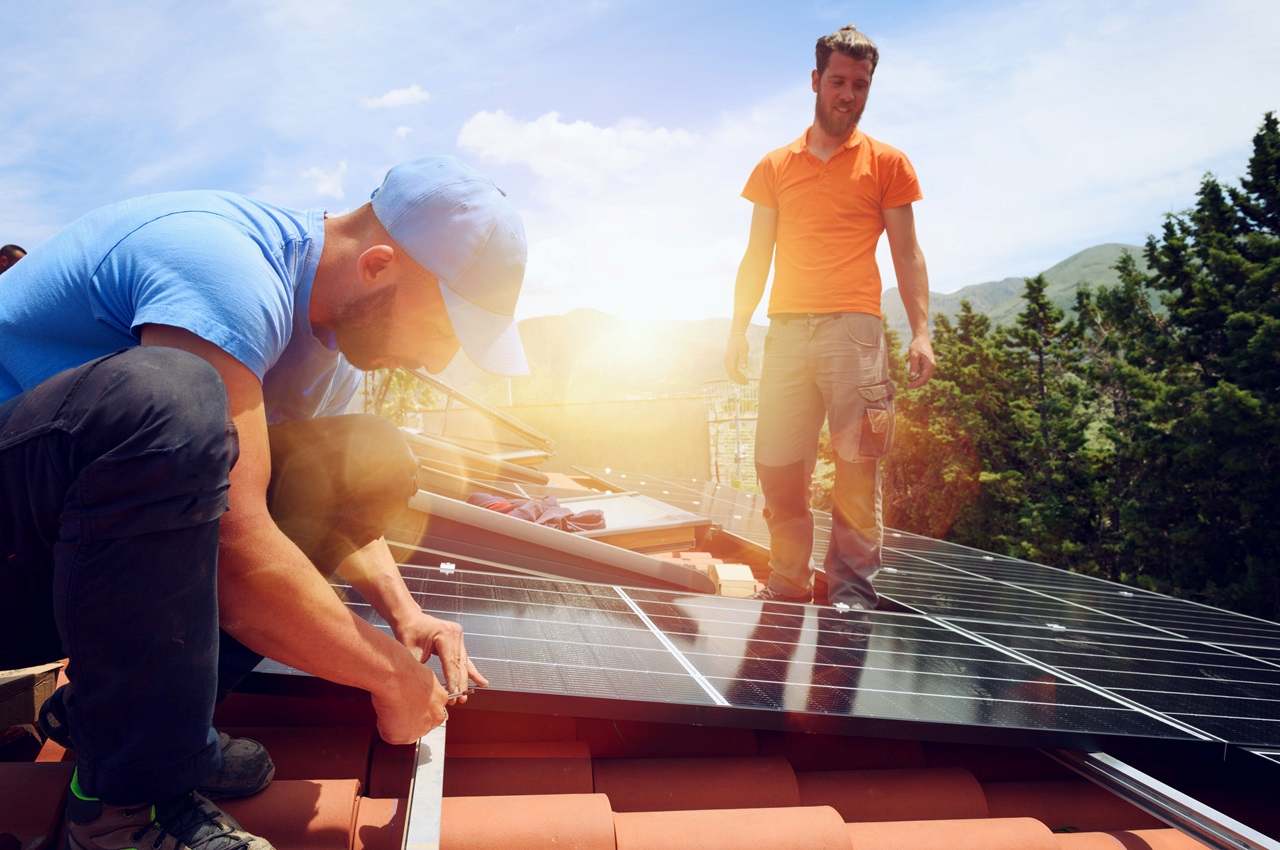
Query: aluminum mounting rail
(426,787)
(1182,812)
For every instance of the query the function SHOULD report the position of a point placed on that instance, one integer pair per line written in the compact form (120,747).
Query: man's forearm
(747,292)
(274,601)
(372,570)
(913,286)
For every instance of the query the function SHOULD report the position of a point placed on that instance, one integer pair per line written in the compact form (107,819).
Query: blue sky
(624,130)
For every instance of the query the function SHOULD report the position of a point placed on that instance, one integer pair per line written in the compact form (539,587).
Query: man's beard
(364,326)
(835,124)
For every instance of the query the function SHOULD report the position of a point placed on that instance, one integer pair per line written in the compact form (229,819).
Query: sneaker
(768,594)
(246,766)
(189,822)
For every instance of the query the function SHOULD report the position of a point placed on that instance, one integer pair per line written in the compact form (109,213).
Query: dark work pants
(113,476)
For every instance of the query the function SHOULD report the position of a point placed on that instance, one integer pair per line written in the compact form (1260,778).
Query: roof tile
(650,785)
(313,752)
(796,828)
(379,824)
(299,814)
(473,770)
(881,795)
(982,834)
(31,799)
(534,822)
(1070,804)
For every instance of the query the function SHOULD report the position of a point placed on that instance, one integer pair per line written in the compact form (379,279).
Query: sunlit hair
(849,41)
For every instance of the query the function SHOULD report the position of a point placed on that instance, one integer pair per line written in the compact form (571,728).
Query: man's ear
(373,263)
(816,76)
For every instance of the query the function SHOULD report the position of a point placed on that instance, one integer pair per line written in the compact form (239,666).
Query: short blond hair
(849,41)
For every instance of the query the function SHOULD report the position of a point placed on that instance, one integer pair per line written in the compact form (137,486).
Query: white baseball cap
(460,226)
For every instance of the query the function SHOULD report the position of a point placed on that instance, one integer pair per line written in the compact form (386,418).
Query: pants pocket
(875,436)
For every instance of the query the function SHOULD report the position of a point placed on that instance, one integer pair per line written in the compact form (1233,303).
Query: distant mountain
(587,356)
(1002,299)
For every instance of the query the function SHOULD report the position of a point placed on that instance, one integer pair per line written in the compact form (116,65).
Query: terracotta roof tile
(835,752)
(390,768)
(1070,804)
(1139,839)
(539,767)
(651,785)
(313,752)
(635,739)
(379,824)
(880,795)
(534,822)
(981,834)
(301,814)
(31,799)
(796,828)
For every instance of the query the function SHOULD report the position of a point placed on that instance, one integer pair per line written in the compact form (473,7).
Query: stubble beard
(364,326)
(835,124)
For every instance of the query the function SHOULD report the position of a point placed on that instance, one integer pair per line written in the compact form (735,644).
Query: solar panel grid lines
(1140,608)
(554,637)
(1269,755)
(1191,730)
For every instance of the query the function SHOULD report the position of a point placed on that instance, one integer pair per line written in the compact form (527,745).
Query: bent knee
(169,400)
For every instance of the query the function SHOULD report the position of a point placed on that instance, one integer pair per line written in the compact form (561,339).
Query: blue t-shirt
(231,270)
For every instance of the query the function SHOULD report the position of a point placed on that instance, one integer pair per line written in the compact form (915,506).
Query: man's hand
(920,362)
(736,351)
(410,704)
(425,636)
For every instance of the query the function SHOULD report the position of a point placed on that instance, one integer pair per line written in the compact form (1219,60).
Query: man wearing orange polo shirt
(821,204)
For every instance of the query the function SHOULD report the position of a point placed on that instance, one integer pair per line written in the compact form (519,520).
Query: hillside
(1001,299)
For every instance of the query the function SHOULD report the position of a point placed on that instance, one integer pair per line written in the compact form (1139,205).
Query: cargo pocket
(876,430)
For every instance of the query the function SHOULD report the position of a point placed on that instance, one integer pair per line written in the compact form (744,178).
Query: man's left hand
(425,635)
(920,362)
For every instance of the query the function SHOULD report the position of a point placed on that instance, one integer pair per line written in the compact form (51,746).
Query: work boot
(246,766)
(188,822)
(768,594)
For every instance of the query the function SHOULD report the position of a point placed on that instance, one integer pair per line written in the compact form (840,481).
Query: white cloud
(1033,136)
(327,184)
(403,133)
(407,96)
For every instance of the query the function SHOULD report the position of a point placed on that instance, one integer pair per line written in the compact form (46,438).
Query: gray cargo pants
(834,366)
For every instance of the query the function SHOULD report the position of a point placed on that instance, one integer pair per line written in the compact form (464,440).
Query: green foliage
(397,395)
(1137,438)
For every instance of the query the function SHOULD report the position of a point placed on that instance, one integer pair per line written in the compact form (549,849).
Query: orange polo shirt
(830,217)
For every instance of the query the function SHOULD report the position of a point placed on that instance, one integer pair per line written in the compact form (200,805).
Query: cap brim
(491,340)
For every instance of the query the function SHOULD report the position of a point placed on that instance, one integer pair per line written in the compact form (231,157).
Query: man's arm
(913,286)
(372,570)
(753,272)
(270,596)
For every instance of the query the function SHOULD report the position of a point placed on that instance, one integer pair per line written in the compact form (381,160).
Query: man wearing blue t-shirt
(176,484)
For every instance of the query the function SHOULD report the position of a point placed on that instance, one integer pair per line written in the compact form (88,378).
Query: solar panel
(1269,755)
(1208,670)
(771,665)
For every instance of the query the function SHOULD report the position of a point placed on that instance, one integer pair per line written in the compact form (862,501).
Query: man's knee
(156,443)
(380,463)
(163,399)
(785,488)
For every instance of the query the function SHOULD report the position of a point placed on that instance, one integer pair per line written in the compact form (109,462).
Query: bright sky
(625,130)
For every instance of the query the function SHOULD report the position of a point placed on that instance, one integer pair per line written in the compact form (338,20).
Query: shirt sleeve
(203,273)
(898,183)
(760,188)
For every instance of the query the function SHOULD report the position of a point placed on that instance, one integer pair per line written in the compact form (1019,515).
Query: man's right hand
(410,705)
(736,352)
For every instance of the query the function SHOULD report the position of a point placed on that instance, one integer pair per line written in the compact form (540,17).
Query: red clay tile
(471,725)
(835,752)
(1141,839)
(297,814)
(1070,804)
(475,770)
(533,822)
(313,752)
(390,768)
(379,824)
(981,834)
(634,739)
(894,795)
(796,828)
(243,709)
(654,785)
(996,764)
(52,751)
(31,800)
